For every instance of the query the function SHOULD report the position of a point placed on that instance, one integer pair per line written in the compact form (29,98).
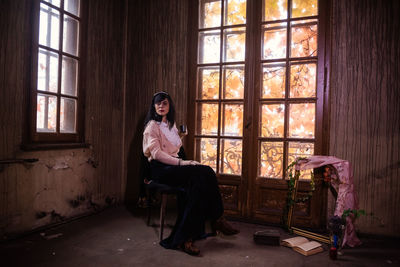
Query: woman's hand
(183,134)
(189,162)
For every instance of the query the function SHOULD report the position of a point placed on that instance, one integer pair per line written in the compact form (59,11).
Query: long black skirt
(199,202)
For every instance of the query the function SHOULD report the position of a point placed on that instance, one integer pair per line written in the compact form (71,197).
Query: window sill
(52,146)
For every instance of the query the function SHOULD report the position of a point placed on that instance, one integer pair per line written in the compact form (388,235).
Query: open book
(303,245)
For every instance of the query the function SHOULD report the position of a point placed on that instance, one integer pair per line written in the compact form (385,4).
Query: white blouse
(171,134)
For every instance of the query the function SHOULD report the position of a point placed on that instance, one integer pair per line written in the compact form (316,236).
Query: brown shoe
(224,227)
(190,249)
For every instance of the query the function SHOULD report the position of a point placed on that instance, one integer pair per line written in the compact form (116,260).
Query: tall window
(220,94)
(284,88)
(287,103)
(57,61)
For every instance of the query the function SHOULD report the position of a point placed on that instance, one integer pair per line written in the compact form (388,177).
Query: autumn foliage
(285,77)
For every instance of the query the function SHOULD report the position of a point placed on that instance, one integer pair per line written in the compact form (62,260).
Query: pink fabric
(156,145)
(347,198)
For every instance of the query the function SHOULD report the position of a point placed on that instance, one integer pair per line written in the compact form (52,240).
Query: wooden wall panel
(104,91)
(14,70)
(14,77)
(156,60)
(230,197)
(365,105)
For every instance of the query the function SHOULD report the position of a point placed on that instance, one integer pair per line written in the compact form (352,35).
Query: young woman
(201,200)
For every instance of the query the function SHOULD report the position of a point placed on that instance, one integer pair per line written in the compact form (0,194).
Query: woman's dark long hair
(152,114)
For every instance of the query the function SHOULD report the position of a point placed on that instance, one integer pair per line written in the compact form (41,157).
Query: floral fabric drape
(343,180)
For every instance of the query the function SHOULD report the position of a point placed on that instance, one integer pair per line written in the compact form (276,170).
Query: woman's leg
(201,201)
(218,222)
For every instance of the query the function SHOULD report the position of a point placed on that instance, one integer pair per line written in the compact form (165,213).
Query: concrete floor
(116,237)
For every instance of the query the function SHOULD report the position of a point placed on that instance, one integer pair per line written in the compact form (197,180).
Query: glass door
(258,98)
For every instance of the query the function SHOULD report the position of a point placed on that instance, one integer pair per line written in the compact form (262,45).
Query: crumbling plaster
(61,185)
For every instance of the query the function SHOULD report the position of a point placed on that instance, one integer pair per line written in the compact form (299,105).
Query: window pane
(302,120)
(274,10)
(303,80)
(47,79)
(69,77)
(236,12)
(54,2)
(232,120)
(274,41)
(49,26)
(208,119)
(68,115)
(208,83)
(209,45)
(210,13)
(208,151)
(234,44)
(304,8)
(274,77)
(297,149)
(70,35)
(272,120)
(304,39)
(233,82)
(271,159)
(231,156)
(72,6)
(46,113)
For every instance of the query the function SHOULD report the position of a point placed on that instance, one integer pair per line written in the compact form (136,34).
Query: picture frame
(299,231)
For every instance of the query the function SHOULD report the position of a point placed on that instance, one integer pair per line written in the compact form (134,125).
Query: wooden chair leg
(148,215)
(162,214)
(149,205)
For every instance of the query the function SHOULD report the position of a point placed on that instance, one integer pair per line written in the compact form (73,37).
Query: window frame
(287,100)
(222,65)
(42,140)
(253,85)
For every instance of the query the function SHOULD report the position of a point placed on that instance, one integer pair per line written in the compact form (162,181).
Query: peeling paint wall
(57,187)
(64,183)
